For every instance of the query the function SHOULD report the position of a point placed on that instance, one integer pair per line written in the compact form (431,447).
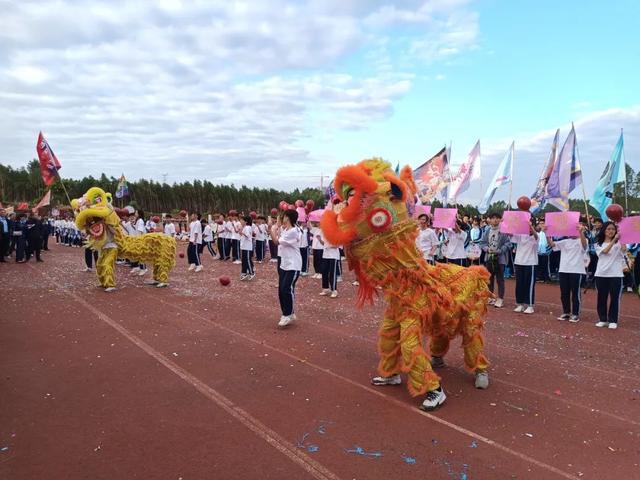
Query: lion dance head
(95,215)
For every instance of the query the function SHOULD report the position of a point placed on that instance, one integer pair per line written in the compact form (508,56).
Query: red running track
(196,382)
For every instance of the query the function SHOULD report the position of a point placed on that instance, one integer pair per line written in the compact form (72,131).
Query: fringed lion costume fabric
(444,301)
(96,216)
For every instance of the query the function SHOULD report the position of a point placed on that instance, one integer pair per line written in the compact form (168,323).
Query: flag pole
(624,165)
(513,160)
(584,193)
(455,200)
(63,187)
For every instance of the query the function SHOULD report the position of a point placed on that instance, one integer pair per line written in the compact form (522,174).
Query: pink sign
(629,229)
(422,209)
(562,224)
(515,222)
(444,217)
(316,215)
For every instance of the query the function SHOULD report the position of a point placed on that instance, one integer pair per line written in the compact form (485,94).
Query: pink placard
(444,217)
(515,222)
(629,229)
(562,224)
(422,209)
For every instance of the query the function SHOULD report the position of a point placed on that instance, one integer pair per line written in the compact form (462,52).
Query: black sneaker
(437,362)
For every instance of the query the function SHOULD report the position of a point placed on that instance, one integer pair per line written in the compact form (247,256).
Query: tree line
(25,185)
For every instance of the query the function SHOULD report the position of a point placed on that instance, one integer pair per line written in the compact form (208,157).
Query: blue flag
(502,177)
(398,168)
(613,173)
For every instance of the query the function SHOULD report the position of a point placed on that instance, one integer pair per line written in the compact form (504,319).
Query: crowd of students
(23,236)
(593,257)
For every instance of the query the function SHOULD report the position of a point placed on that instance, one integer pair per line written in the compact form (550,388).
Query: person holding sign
(572,271)
(525,264)
(455,251)
(497,248)
(609,274)
(426,241)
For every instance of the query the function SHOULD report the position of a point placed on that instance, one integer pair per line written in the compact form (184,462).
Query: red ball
(224,280)
(253,215)
(299,203)
(615,212)
(233,213)
(310,204)
(155,218)
(274,212)
(283,205)
(524,203)
(183,213)
(181,254)
(291,207)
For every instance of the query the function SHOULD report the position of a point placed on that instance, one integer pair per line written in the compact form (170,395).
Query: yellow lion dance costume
(96,216)
(442,301)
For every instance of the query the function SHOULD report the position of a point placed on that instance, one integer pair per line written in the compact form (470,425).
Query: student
(274,227)
(246,247)
(261,238)
(455,242)
(141,229)
(317,249)
(195,240)
(543,273)
(609,274)
(90,257)
(426,241)
(525,263)
(497,247)
(235,228)
(287,238)
(571,272)
(19,237)
(223,249)
(304,249)
(207,239)
(330,259)
(170,229)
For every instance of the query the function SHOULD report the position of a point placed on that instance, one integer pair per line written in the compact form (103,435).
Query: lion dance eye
(379,219)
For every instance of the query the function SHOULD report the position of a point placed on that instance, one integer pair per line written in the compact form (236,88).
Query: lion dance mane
(444,301)
(96,216)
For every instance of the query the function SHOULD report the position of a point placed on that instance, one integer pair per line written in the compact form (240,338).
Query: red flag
(49,164)
(22,206)
(46,200)
(431,177)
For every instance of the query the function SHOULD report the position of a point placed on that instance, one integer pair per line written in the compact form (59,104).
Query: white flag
(469,170)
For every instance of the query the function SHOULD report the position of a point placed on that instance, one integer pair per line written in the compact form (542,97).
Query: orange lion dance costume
(375,226)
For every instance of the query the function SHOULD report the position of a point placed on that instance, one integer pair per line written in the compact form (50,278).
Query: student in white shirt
(571,273)
(150,226)
(426,241)
(170,229)
(141,229)
(330,259)
(287,237)
(609,274)
(317,249)
(525,264)
(246,248)
(234,228)
(304,249)
(207,239)
(455,251)
(195,240)
(261,238)
(223,247)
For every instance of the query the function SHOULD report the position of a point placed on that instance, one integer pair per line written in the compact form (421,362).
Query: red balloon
(310,204)
(122,212)
(299,203)
(181,254)
(291,207)
(155,218)
(283,205)
(183,213)
(615,212)
(224,280)
(253,215)
(524,203)
(274,212)
(233,213)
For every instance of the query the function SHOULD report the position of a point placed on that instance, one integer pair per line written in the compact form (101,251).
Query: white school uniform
(150,226)
(425,241)
(304,240)
(572,256)
(235,227)
(610,264)
(195,232)
(455,247)
(330,252)
(315,242)
(207,234)
(140,227)
(289,249)
(246,238)
(261,233)
(170,229)
(527,251)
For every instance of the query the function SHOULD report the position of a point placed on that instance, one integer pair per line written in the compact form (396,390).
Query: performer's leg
(106,267)
(473,343)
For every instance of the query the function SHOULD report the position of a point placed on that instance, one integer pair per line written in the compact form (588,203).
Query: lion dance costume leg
(440,302)
(96,216)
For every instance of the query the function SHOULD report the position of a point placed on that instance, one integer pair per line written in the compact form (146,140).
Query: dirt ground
(196,382)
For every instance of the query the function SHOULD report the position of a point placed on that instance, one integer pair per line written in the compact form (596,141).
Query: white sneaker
(284,321)
(433,400)
(243,277)
(151,282)
(499,303)
(491,301)
(602,324)
(134,270)
(518,309)
(142,272)
(529,310)
(251,277)
(392,380)
(325,292)
(356,283)
(304,274)
(87,269)
(192,267)
(339,279)
(318,276)
(237,262)
(629,289)
(334,294)
(110,289)
(574,319)
(563,317)
(199,268)
(482,380)
(294,317)
(613,326)
(162,285)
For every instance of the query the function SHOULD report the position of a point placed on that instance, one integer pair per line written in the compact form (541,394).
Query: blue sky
(276,93)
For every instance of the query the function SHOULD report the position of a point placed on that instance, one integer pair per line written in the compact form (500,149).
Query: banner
(566,174)
(469,170)
(46,200)
(629,229)
(49,164)
(445,217)
(561,224)
(614,172)
(539,197)
(432,176)
(123,189)
(422,209)
(515,222)
(501,177)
